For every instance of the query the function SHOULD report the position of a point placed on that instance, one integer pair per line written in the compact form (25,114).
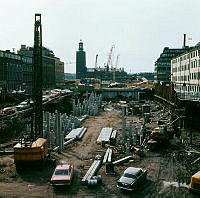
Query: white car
(22,106)
(131,178)
(45,98)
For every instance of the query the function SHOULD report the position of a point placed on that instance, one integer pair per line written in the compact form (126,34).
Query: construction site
(95,133)
(140,134)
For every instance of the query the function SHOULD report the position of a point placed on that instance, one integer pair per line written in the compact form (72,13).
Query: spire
(80,46)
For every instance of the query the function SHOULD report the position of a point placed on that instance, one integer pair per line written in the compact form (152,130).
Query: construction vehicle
(159,133)
(195,182)
(27,153)
(34,149)
(158,136)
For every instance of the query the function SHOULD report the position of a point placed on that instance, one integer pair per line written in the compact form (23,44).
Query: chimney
(184,41)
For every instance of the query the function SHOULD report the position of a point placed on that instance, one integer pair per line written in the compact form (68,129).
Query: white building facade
(185,74)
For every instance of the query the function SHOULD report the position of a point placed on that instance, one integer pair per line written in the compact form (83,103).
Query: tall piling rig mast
(36,150)
(37,129)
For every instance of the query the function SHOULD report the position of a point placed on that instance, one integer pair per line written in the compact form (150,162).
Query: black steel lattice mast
(37,80)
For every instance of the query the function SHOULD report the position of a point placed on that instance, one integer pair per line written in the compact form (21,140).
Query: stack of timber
(104,136)
(92,171)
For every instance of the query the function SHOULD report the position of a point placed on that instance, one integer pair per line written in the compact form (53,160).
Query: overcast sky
(139,29)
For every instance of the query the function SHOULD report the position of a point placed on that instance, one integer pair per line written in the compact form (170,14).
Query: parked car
(62,175)
(131,178)
(23,105)
(45,98)
(8,111)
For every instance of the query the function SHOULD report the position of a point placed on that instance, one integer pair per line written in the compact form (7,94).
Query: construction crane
(110,56)
(37,129)
(115,68)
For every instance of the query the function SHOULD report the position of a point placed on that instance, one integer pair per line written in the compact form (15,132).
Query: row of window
(193,88)
(186,56)
(193,64)
(163,64)
(165,69)
(27,60)
(14,76)
(191,76)
(9,55)
(15,56)
(174,50)
(168,55)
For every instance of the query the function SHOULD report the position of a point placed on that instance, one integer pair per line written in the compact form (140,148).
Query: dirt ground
(168,169)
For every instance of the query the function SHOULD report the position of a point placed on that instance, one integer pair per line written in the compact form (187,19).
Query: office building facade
(48,64)
(15,71)
(186,74)
(162,69)
(59,73)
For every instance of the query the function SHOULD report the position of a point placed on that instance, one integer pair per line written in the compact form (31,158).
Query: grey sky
(139,29)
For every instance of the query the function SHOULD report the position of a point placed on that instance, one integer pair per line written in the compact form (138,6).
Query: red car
(62,175)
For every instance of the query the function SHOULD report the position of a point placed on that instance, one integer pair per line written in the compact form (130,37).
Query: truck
(30,153)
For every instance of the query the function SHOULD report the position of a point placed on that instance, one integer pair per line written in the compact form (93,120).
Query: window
(129,175)
(61,172)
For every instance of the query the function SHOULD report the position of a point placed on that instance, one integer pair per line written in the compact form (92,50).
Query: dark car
(62,175)
(131,178)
